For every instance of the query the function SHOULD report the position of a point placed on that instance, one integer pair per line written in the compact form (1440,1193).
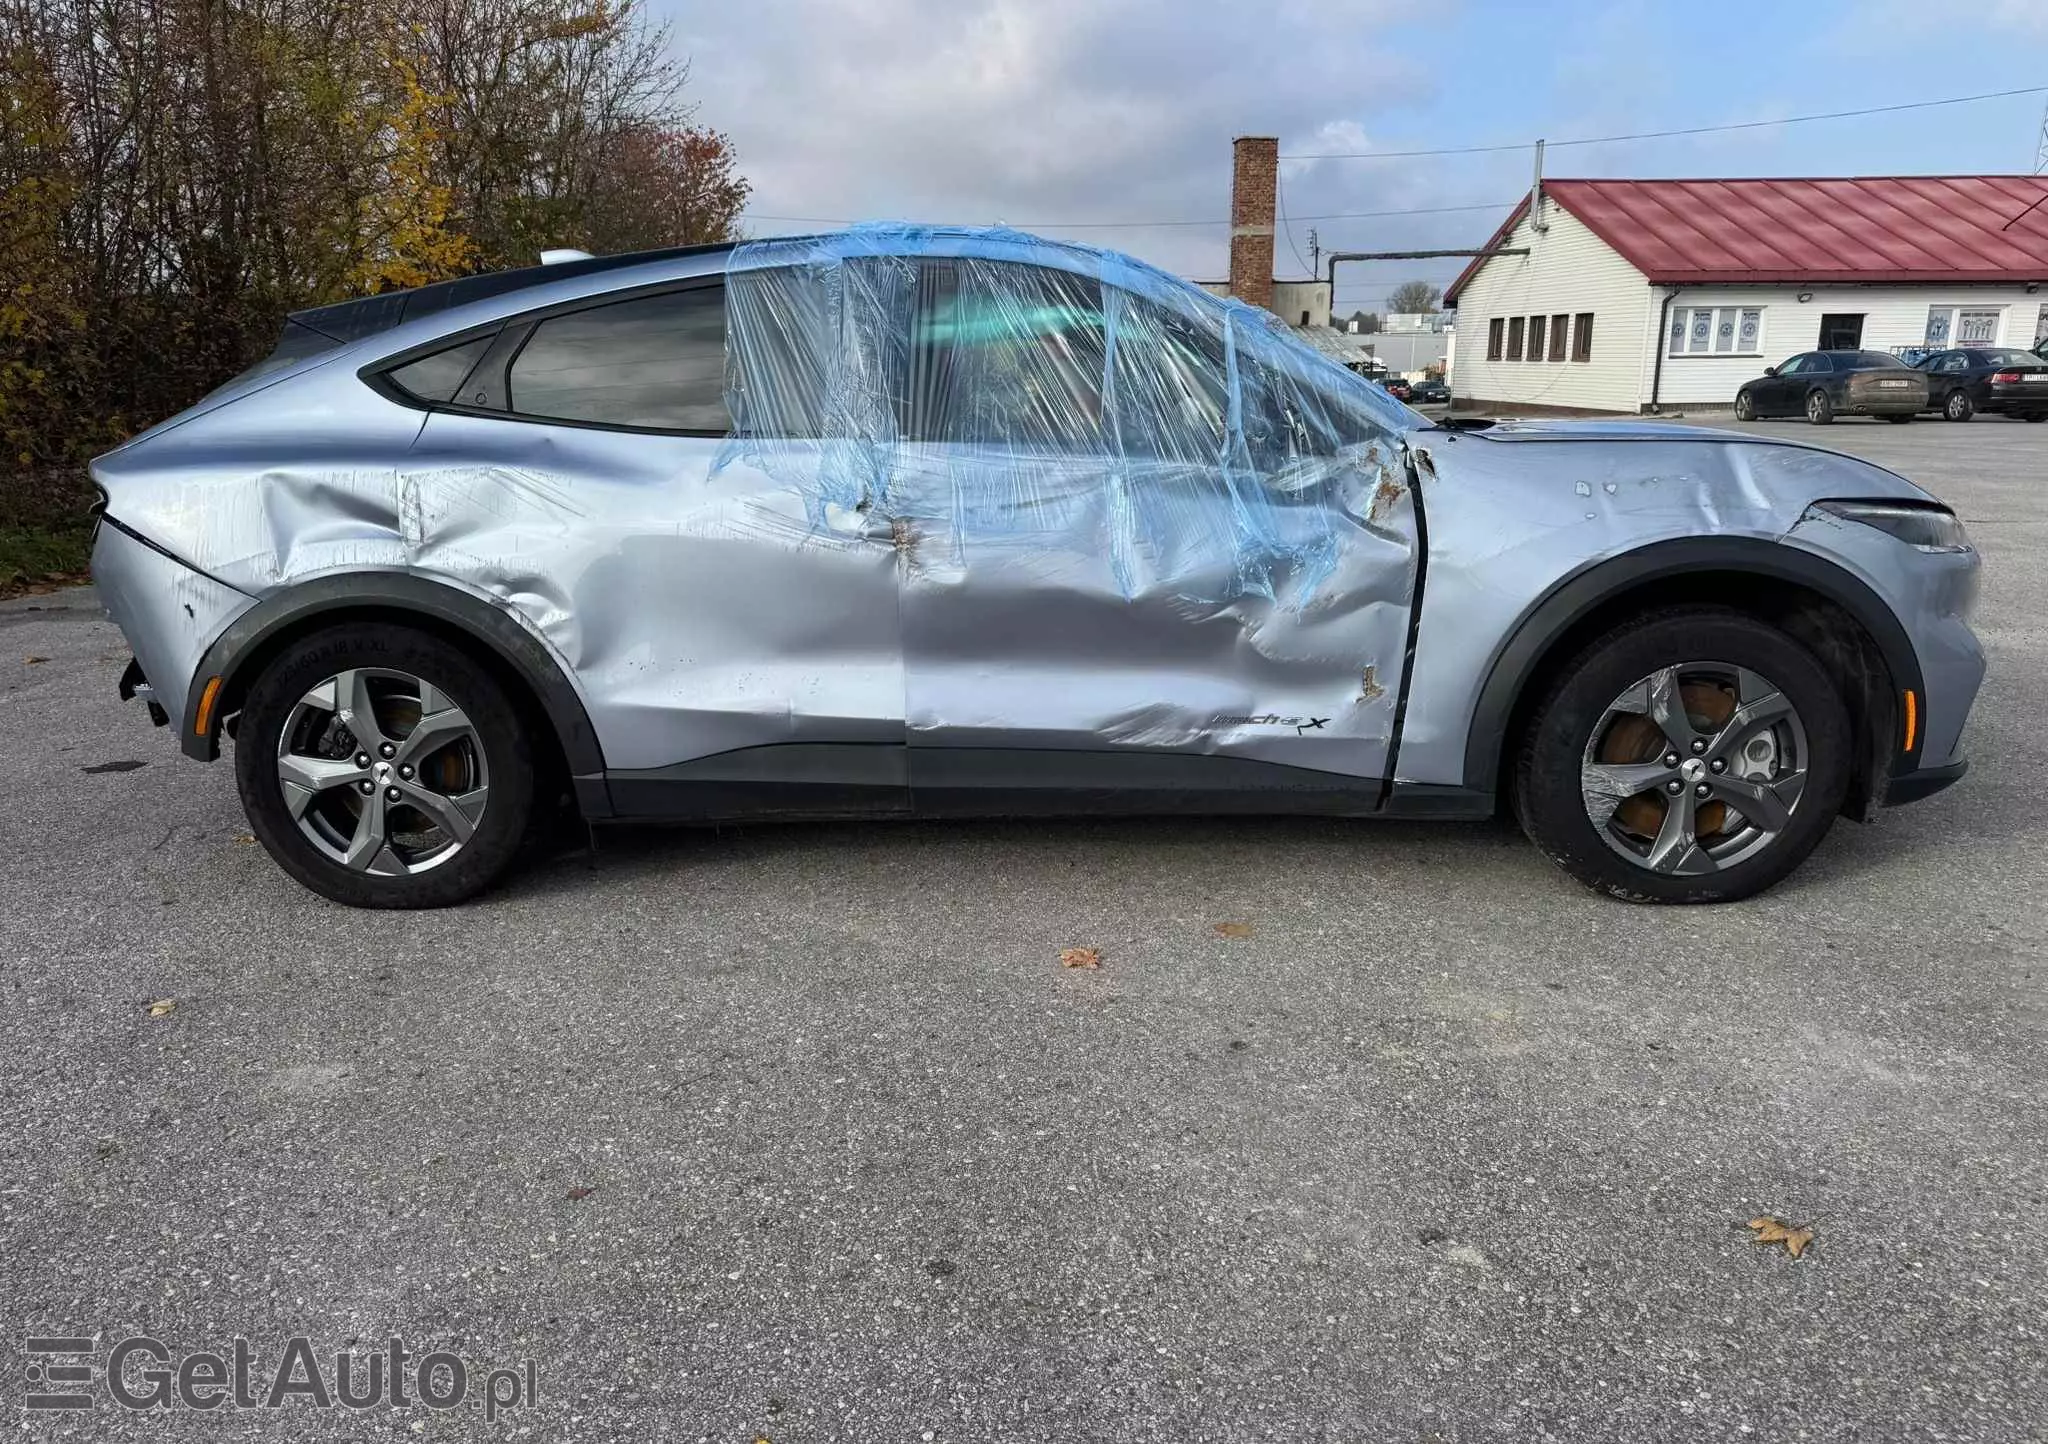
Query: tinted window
(435,377)
(1867,361)
(1792,367)
(2002,357)
(656,362)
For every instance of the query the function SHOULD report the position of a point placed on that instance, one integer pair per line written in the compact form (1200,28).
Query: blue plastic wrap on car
(1018,392)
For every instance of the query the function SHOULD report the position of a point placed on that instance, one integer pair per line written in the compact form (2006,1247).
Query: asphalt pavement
(803,1133)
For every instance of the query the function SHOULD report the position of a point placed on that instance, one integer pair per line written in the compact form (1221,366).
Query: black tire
(1898,420)
(1745,406)
(1820,407)
(1547,793)
(1957,406)
(499,731)
(2035,416)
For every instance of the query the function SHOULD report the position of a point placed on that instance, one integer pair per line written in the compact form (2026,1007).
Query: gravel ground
(802,1133)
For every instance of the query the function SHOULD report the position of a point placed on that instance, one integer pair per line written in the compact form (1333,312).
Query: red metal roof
(1955,228)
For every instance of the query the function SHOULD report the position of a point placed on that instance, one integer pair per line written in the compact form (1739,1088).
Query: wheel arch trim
(251,635)
(1513,667)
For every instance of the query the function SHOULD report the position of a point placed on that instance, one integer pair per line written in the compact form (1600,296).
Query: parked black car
(1822,384)
(1430,391)
(1962,382)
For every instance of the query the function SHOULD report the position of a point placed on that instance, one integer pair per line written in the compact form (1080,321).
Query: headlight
(1926,526)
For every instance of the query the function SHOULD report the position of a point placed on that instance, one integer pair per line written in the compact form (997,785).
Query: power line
(1134,225)
(1668,134)
(1280,200)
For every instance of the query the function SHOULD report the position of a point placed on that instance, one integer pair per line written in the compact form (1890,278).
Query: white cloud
(1043,111)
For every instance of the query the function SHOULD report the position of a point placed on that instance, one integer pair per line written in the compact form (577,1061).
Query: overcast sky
(1081,118)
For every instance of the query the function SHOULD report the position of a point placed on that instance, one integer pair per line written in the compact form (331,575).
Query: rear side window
(655,363)
(436,378)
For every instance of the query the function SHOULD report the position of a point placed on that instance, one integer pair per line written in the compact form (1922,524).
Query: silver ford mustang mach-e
(917,521)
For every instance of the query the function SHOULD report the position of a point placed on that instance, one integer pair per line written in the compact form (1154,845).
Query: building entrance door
(1841,333)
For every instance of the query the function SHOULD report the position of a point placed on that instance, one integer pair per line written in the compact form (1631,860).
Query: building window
(1496,325)
(1582,337)
(2041,326)
(1977,328)
(1535,338)
(1558,327)
(1716,331)
(1967,326)
(1514,338)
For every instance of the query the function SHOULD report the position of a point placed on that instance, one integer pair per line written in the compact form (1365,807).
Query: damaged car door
(1148,556)
(735,641)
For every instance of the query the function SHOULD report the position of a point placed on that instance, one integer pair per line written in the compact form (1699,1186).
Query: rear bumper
(1873,405)
(1924,782)
(168,611)
(2017,399)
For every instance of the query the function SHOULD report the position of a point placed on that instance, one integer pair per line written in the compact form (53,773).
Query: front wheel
(2035,416)
(1745,406)
(383,767)
(1692,755)
(1820,408)
(1958,407)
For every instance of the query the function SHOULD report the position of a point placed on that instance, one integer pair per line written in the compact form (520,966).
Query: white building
(1656,295)
(1298,303)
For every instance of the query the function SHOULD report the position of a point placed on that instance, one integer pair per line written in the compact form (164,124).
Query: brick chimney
(1254,183)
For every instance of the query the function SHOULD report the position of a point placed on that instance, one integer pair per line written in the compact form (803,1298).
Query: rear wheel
(1820,410)
(1898,420)
(1957,406)
(2035,416)
(382,767)
(1693,755)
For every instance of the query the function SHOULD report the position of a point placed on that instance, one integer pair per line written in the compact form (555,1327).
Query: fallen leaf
(1080,957)
(31,661)
(1232,930)
(1771,1230)
(579,1193)
(163,1007)
(245,837)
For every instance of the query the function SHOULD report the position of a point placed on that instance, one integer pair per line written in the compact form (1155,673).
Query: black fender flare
(394,595)
(1552,615)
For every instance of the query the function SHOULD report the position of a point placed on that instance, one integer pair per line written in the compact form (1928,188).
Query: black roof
(347,321)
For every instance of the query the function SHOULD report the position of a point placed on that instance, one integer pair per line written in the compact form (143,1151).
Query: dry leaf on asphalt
(245,837)
(31,661)
(163,1007)
(1770,1230)
(1232,930)
(1080,957)
(579,1193)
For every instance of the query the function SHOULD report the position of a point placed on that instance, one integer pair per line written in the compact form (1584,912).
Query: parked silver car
(926,521)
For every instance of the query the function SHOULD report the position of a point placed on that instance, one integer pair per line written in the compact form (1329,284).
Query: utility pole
(2041,145)
(1315,251)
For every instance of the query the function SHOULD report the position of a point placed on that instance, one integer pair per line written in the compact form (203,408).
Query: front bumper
(168,611)
(1924,782)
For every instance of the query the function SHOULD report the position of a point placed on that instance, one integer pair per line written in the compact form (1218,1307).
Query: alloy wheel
(382,772)
(1695,768)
